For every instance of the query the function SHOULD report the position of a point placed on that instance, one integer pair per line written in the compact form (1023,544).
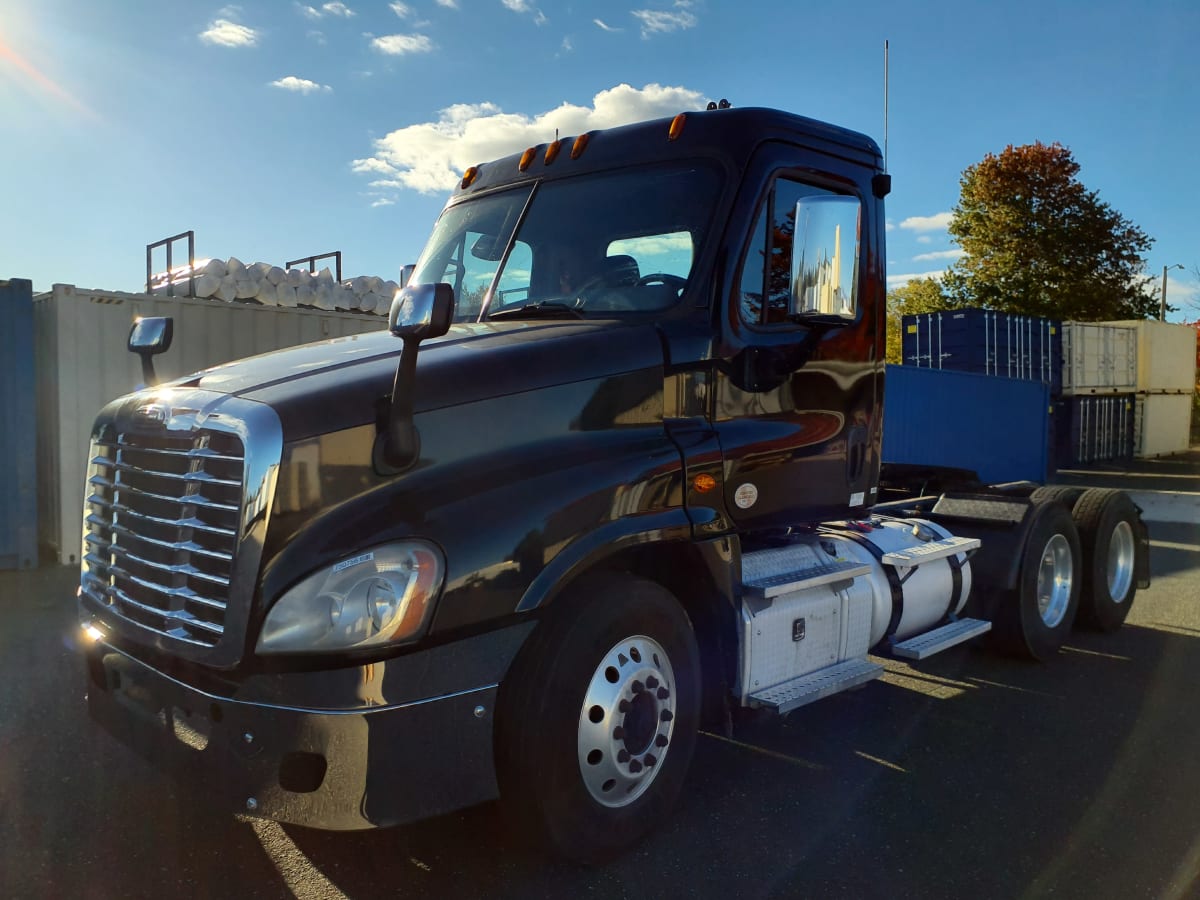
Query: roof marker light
(527,158)
(552,152)
(579,146)
(469,177)
(676,127)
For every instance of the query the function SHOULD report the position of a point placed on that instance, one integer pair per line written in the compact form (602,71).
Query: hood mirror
(149,336)
(420,311)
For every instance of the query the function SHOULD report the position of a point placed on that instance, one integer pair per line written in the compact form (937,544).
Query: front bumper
(337,770)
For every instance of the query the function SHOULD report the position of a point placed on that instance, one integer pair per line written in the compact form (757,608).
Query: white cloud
(429,157)
(899,280)
(663,21)
(519,6)
(1181,294)
(940,254)
(338,9)
(566,46)
(382,201)
(400,44)
(889,226)
(223,33)
(539,18)
(449,4)
(403,10)
(300,85)
(319,37)
(232,11)
(924,239)
(604,26)
(936,222)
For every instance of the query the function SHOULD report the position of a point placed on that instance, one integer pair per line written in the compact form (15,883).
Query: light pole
(1162,303)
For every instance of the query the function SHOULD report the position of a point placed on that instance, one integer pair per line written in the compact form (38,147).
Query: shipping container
(985,342)
(1163,424)
(997,427)
(1166,355)
(1094,428)
(18,423)
(1099,358)
(80,337)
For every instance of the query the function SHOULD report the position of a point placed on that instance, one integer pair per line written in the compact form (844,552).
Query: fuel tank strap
(956,585)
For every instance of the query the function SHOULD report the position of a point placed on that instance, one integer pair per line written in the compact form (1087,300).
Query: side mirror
(825,261)
(422,311)
(148,337)
(419,311)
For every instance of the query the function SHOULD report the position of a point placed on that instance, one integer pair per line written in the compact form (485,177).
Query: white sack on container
(285,295)
(370,302)
(245,287)
(234,266)
(376,284)
(276,275)
(361,285)
(305,295)
(325,276)
(268,294)
(228,289)
(207,285)
(296,277)
(259,269)
(213,267)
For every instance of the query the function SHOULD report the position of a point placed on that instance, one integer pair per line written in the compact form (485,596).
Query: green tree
(920,295)
(1038,242)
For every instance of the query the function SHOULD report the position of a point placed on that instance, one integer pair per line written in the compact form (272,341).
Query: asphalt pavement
(968,775)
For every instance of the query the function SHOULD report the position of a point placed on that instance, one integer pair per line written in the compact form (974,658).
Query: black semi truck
(611,475)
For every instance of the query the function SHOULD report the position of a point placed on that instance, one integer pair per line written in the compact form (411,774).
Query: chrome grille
(161,529)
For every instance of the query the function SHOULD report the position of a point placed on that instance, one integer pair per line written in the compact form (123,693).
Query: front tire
(598,717)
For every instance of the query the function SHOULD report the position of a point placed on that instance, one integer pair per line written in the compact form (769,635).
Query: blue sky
(279,129)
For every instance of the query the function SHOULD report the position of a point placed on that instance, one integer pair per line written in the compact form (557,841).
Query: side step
(789,695)
(940,639)
(767,586)
(928,552)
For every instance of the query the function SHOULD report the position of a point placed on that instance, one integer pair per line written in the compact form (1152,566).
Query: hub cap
(1054,581)
(627,721)
(1120,561)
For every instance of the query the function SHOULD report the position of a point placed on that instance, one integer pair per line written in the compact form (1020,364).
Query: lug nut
(623,756)
(623,706)
(663,694)
(651,682)
(650,760)
(618,733)
(660,741)
(635,766)
(667,715)
(637,687)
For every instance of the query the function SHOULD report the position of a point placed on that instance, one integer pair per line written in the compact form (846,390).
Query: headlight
(382,596)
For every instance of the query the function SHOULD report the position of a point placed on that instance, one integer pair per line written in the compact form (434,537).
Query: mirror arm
(399,445)
(149,377)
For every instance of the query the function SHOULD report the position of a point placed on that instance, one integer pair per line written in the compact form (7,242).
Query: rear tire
(1107,522)
(1036,618)
(1066,493)
(598,717)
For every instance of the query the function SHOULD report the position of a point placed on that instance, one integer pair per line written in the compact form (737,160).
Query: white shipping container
(80,339)
(1163,424)
(1166,356)
(1099,358)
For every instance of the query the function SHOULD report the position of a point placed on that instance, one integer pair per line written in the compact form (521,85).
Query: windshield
(622,242)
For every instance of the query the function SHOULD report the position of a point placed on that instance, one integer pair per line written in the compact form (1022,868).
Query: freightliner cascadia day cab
(613,476)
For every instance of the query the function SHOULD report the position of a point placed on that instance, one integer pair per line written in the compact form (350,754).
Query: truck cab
(617,478)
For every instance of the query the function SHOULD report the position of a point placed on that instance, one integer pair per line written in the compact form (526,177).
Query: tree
(920,295)
(1038,242)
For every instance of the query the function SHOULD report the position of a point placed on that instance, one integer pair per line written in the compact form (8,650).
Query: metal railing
(169,243)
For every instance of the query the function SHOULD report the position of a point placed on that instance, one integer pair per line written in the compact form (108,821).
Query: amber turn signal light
(676,127)
(469,177)
(703,483)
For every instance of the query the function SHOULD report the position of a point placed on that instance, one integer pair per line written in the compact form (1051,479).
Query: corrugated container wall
(1099,358)
(985,342)
(1163,424)
(82,363)
(18,425)
(1094,428)
(997,427)
(1166,355)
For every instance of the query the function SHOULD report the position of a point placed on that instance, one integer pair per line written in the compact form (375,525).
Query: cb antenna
(885,104)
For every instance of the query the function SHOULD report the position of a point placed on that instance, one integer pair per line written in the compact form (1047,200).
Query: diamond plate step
(768,586)
(791,694)
(940,639)
(928,552)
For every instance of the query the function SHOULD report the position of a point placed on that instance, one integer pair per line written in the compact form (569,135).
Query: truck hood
(336,384)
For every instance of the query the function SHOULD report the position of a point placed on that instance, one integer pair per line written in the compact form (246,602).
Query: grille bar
(160,535)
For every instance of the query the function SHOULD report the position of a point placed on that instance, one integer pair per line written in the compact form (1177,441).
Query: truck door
(797,400)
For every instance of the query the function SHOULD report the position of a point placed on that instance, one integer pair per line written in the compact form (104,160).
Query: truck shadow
(972,774)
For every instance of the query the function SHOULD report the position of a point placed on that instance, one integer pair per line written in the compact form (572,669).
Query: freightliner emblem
(154,412)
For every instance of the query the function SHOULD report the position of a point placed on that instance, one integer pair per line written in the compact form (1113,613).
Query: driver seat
(620,271)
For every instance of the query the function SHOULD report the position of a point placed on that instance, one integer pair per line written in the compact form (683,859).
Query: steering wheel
(672,281)
(595,283)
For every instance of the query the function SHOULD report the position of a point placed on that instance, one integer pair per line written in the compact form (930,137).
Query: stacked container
(1095,419)
(985,342)
(1166,380)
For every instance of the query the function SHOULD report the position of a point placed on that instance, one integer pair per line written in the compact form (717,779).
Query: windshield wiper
(548,309)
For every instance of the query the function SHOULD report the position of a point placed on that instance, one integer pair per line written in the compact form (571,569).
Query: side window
(513,286)
(767,269)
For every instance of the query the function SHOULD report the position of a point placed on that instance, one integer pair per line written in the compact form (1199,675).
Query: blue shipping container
(1094,428)
(987,343)
(18,427)
(997,427)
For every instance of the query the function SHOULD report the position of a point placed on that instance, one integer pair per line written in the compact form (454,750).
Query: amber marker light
(704,483)
(552,152)
(527,158)
(93,633)
(579,146)
(469,177)
(676,128)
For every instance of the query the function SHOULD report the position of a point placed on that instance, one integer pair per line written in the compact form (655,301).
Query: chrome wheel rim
(1120,561)
(1054,581)
(627,721)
